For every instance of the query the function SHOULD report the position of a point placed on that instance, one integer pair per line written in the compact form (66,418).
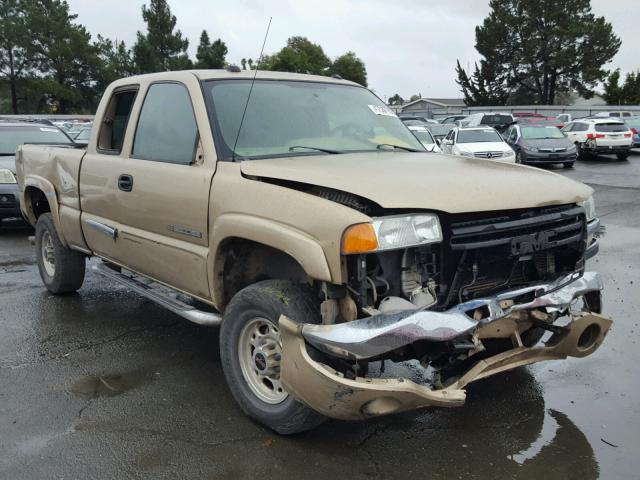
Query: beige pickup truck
(301,215)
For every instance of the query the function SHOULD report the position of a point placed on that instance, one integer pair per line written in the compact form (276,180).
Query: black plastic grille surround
(546,227)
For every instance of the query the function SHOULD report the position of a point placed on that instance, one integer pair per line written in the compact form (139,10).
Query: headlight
(508,153)
(571,149)
(7,176)
(466,154)
(529,149)
(388,233)
(589,208)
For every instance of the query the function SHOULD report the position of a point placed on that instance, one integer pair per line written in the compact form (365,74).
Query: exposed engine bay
(480,256)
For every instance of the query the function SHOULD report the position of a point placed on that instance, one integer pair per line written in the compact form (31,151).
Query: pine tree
(210,55)
(162,48)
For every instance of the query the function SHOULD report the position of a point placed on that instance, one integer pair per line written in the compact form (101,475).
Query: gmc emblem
(525,244)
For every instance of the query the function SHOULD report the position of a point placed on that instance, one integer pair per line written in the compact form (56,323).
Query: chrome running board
(160,297)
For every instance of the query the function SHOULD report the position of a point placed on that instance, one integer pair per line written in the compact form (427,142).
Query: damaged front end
(456,344)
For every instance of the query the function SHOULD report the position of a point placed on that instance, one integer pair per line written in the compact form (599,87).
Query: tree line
(536,52)
(49,63)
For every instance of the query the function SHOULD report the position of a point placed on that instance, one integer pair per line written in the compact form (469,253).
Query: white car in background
(426,139)
(593,136)
(478,142)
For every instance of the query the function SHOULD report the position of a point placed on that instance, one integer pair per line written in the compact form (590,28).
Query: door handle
(125,183)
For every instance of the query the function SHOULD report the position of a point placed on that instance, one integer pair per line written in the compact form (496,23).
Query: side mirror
(430,148)
(447,142)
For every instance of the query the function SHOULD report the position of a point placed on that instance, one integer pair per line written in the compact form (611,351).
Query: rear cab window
(116,119)
(496,119)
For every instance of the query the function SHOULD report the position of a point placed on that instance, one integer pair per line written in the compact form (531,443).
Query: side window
(115,121)
(167,130)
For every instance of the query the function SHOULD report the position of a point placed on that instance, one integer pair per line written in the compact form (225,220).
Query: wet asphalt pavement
(105,384)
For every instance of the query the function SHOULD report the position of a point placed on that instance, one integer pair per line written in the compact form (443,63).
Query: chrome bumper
(374,336)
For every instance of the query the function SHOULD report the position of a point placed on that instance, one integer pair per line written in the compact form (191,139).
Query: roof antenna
(250,90)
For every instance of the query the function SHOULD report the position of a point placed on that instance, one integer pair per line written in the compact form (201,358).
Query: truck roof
(244,74)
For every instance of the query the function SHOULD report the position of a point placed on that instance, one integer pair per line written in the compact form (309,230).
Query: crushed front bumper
(329,392)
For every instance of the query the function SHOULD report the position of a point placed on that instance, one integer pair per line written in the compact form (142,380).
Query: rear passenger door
(158,190)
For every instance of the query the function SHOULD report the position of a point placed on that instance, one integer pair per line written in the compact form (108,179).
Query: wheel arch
(38,197)
(249,249)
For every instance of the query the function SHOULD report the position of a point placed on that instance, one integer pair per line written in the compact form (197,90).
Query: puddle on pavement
(107,385)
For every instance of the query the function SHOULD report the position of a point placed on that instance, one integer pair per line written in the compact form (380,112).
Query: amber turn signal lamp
(359,238)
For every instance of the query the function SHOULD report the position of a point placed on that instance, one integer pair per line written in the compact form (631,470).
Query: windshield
(423,135)
(287,118)
(611,127)
(12,137)
(477,136)
(539,133)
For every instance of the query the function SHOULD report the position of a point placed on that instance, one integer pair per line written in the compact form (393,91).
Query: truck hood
(426,181)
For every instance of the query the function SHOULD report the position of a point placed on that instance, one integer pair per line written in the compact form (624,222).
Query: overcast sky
(408,46)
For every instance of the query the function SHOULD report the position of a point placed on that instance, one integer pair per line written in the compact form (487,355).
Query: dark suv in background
(540,144)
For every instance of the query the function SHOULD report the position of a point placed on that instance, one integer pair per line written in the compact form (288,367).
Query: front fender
(303,248)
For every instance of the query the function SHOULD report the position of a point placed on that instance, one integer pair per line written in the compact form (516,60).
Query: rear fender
(46,187)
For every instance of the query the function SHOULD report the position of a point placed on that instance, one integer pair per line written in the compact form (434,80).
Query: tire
(259,306)
(622,156)
(61,269)
(567,165)
(580,154)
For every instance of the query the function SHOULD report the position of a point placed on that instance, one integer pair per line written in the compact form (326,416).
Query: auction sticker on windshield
(382,110)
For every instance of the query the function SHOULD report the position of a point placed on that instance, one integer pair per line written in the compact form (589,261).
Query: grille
(552,150)
(7,200)
(488,154)
(547,228)
(488,252)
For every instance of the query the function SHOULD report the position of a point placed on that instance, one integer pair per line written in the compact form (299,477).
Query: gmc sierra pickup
(301,215)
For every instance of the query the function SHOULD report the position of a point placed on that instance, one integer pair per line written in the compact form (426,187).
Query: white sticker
(382,110)
(45,129)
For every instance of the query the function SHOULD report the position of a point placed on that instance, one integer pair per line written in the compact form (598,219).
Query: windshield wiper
(399,147)
(317,149)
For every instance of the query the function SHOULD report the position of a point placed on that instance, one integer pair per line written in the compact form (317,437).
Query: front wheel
(251,352)
(61,269)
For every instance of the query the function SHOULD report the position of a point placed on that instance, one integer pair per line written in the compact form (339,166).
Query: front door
(156,194)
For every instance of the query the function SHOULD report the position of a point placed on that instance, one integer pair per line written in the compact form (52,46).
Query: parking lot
(104,384)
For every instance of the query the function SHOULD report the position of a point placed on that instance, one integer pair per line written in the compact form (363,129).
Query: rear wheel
(251,351)
(61,269)
(622,156)
(580,153)
(519,157)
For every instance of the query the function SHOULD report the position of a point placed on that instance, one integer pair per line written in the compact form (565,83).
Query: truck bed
(55,170)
